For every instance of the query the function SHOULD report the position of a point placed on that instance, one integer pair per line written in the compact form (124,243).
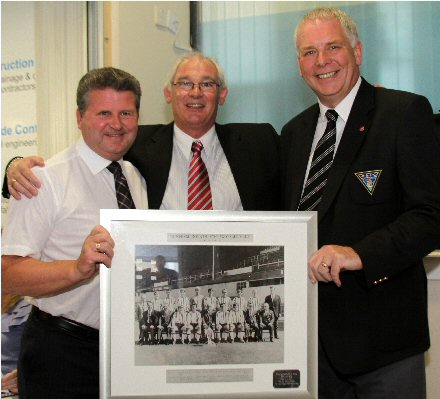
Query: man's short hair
(195,54)
(104,78)
(329,13)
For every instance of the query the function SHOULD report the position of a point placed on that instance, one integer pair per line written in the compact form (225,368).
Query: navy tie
(321,163)
(125,201)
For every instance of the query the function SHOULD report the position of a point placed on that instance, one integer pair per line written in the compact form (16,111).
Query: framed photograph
(432,265)
(208,304)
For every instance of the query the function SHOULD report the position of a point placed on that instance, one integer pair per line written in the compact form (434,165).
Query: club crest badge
(369,179)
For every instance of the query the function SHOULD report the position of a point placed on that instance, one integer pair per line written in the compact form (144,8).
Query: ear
(358,53)
(167,94)
(222,95)
(78,119)
(299,66)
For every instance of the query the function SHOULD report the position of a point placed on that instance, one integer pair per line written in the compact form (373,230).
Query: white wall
(136,44)
(432,265)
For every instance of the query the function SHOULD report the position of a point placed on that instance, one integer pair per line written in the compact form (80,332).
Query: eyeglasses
(205,87)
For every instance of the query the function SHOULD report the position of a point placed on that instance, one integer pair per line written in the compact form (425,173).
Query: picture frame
(163,260)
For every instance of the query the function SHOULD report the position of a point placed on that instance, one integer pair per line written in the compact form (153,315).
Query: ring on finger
(98,247)
(13,181)
(324,265)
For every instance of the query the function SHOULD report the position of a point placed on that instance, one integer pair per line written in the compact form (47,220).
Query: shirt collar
(94,161)
(184,141)
(344,107)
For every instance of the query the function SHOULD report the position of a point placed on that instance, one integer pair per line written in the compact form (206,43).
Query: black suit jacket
(251,151)
(379,315)
(275,304)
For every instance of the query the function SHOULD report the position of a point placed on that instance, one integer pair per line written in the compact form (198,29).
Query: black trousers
(54,364)
(404,379)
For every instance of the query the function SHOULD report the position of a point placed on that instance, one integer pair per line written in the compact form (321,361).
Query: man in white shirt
(183,300)
(210,299)
(240,300)
(255,302)
(169,301)
(197,299)
(224,299)
(236,323)
(194,323)
(48,252)
(222,323)
(157,302)
(178,324)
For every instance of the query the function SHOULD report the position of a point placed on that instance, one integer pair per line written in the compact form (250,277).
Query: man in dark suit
(266,319)
(241,159)
(378,215)
(274,302)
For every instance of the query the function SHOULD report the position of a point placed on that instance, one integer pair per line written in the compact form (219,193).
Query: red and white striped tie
(199,190)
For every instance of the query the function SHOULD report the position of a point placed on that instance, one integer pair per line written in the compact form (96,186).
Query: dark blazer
(274,304)
(379,315)
(251,151)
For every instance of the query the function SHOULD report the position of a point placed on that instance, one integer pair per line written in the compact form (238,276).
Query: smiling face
(110,122)
(327,61)
(195,111)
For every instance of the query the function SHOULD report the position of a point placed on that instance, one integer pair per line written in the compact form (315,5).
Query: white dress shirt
(223,188)
(53,225)
(343,109)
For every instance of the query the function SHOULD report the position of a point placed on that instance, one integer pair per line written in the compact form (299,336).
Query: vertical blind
(253,42)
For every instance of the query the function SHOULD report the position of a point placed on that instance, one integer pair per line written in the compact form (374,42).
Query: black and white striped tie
(125,201)
(321,163)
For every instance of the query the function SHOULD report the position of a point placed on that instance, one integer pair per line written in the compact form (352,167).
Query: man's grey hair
(221,76)
(104,78)
(329,13)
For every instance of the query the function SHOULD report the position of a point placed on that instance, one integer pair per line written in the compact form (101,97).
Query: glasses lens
(207,86)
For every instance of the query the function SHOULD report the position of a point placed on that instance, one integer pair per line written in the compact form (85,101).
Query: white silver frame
(303,223)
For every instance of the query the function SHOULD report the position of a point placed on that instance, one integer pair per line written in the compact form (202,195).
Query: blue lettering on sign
(17,64)
(6,131)
(20,129)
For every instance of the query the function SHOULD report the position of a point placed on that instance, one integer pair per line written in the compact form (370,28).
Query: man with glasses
(241,159)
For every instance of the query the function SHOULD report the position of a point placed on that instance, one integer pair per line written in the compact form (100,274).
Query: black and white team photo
(209,304)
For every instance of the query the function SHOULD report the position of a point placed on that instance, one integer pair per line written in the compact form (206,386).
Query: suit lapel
(297,165)
(356,129)
(160,154)
(239,161)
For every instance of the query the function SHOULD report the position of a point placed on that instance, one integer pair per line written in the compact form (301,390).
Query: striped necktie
(199,189)
(321,162)
(125,201)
